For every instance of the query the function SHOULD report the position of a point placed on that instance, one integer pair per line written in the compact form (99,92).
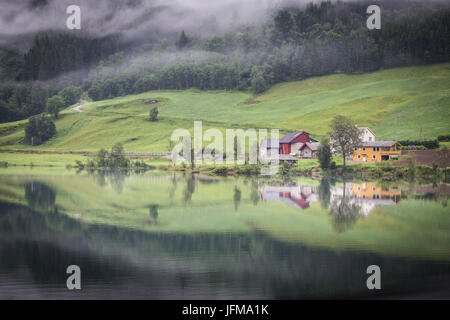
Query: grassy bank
(402,103)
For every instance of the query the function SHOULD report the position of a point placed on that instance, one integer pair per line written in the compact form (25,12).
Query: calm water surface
(170,236)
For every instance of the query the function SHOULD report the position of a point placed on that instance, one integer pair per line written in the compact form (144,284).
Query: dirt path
(78,107)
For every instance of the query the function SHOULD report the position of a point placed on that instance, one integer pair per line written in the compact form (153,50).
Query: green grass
(402,103)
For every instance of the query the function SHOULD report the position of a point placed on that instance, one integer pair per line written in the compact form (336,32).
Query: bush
(429,144)
(220,171)
(70,95)
(153,114)
(54,104)
(324,154)
(248,170)
(95,93)
(413,148)
(39,129)
(444,138)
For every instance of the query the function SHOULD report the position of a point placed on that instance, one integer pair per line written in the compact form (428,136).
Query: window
(364,148)
(373,157)
(359,156)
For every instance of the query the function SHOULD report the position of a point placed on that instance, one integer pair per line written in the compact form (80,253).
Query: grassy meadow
(402,103)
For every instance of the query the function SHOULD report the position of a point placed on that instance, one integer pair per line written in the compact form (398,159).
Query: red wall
(285,148)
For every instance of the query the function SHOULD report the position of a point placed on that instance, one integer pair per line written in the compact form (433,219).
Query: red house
(292,142)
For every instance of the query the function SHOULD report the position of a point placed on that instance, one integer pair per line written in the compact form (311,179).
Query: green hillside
(402,103)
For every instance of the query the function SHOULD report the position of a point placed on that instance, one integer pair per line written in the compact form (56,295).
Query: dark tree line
(318,39)
(53,54)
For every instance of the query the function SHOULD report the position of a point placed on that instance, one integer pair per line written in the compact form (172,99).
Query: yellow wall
(369,153)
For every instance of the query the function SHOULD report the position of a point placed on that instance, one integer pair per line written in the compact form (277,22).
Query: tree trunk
(344,156)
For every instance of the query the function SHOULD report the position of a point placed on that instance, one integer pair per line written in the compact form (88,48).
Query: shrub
(444,138)
(324,154)
(39,129)
(54,104)
(95,93)
(333,165)
(429,144)
(153,114)
(220,171)
(70,95)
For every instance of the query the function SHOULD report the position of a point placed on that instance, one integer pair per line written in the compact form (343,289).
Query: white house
(367,135)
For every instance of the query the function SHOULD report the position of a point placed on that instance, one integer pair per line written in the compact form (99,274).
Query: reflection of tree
(344,212)
(100,178)
(153,210)
(237,197)
(39,195)
(189,190)
(324,193)
(254,193)
(117,179)
(173,187)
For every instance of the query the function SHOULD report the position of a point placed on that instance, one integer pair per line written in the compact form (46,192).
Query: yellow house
(376,151)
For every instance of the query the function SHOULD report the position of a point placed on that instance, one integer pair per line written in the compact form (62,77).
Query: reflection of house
(297,196)
(376,151)
(372,191)
(365,196)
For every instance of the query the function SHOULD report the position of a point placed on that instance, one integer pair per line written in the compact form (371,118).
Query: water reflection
(361,197)
(39,195)
(178,236)
(153,210)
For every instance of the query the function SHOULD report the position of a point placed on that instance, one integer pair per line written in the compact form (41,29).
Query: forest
(297,43)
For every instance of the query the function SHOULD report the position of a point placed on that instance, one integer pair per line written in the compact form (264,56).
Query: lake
(162,235)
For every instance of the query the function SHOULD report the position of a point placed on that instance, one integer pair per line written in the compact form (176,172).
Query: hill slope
(402,103)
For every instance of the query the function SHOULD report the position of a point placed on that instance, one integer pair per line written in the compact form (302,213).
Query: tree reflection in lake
(344,210)
(276,250)
(189,189)
(154,213)
(324,193)
(39,195)
(254,193)
(237,198)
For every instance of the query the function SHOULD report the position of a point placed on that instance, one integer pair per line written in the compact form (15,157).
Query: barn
(293,141)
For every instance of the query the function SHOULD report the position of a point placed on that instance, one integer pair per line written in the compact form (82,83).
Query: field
(402,103)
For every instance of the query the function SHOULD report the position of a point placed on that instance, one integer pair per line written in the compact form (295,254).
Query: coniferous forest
(296,43)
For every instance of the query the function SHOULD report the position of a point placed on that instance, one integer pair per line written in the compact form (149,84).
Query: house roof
(270,143)
(290,136)
(314,146)
(378,143)
(362,128)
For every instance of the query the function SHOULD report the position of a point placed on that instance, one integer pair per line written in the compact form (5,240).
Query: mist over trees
(294,44)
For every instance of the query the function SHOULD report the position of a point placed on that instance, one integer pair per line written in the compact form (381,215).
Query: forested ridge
(297,43)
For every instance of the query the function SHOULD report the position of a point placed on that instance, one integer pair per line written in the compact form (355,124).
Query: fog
(134,20)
